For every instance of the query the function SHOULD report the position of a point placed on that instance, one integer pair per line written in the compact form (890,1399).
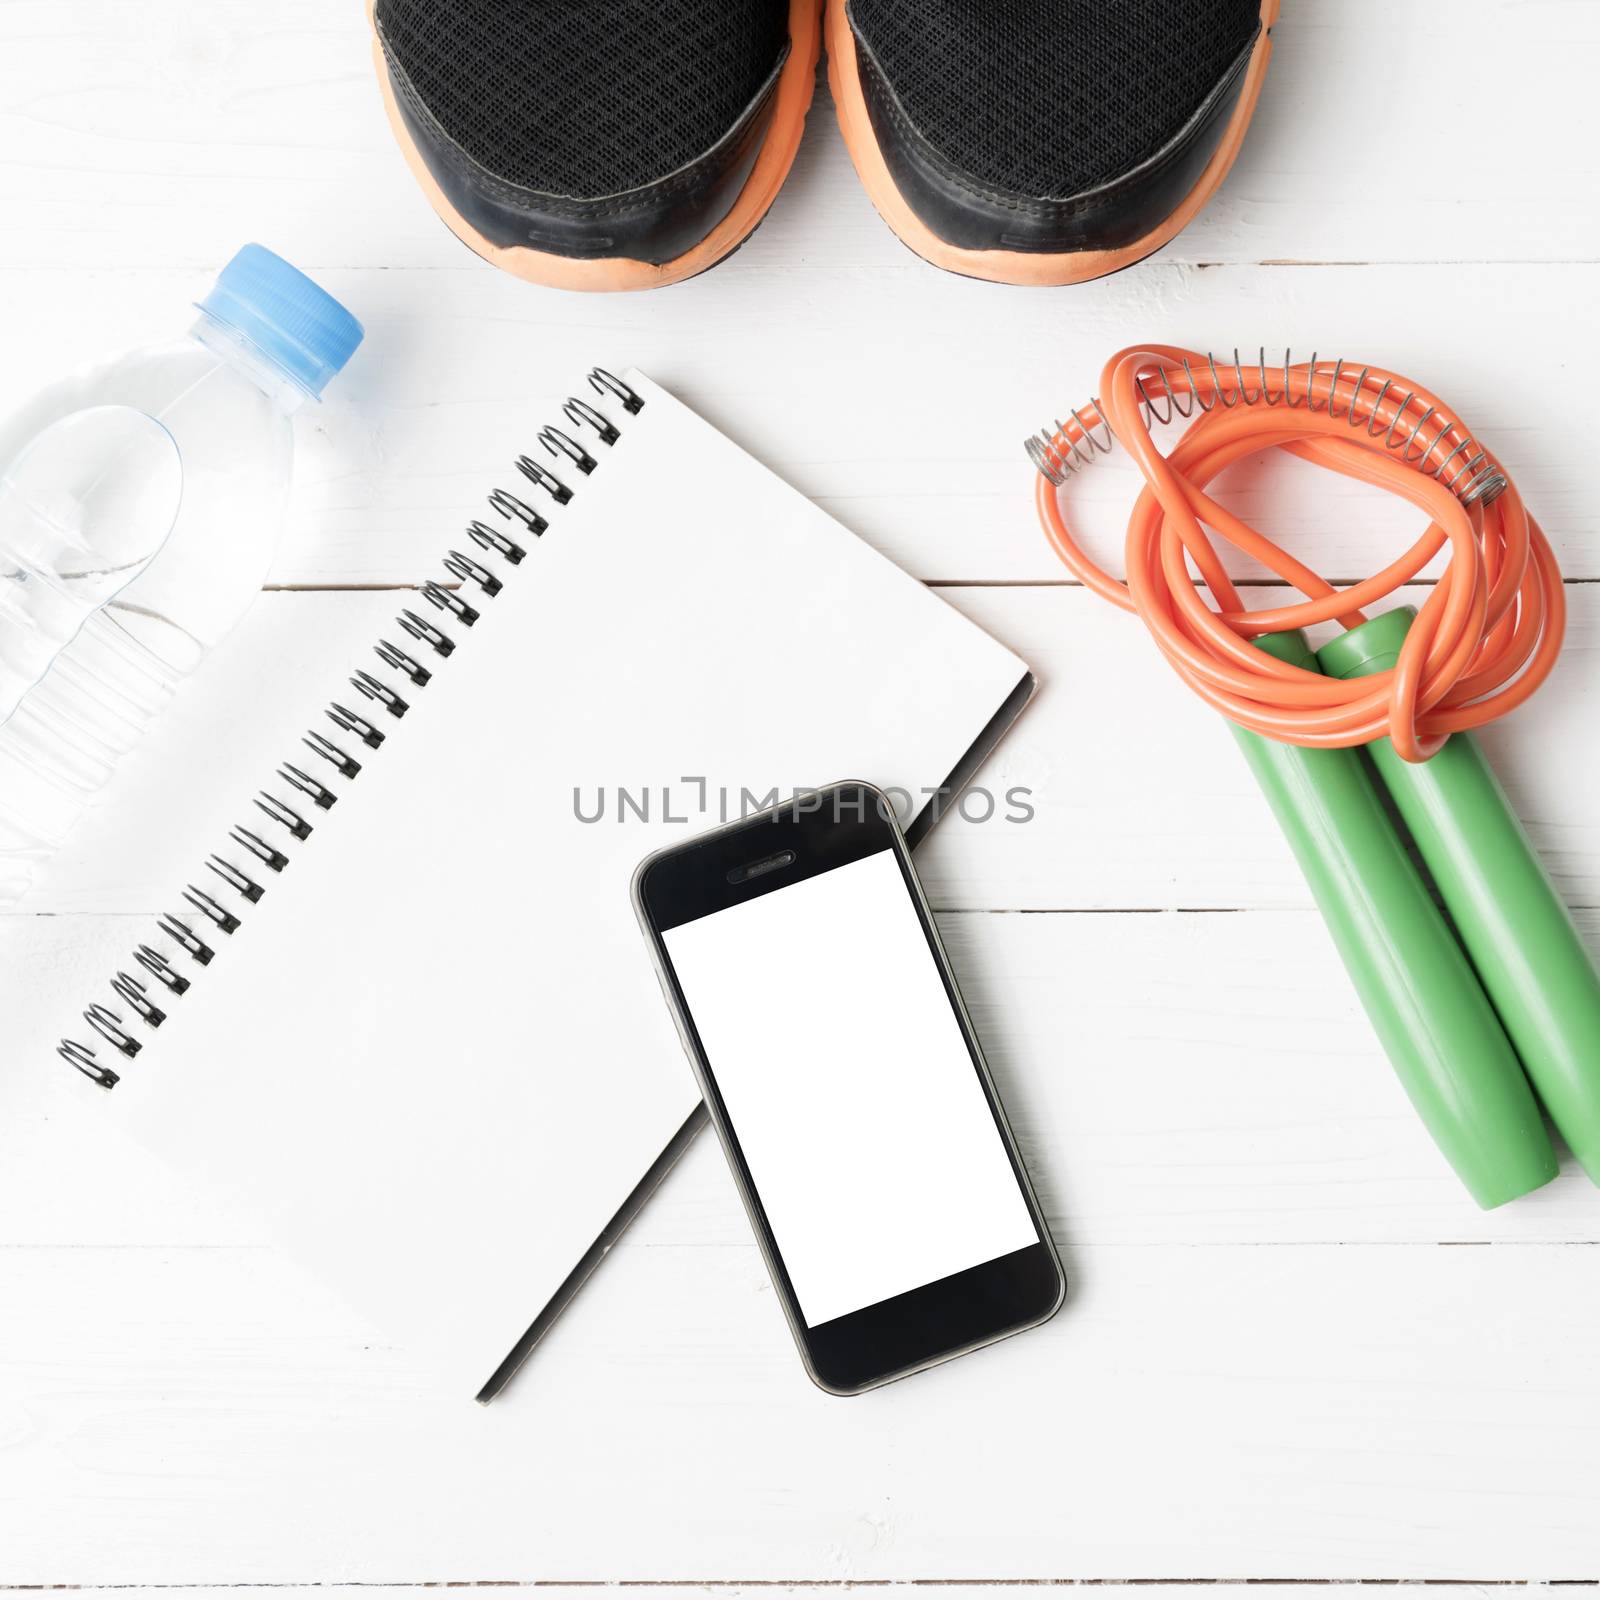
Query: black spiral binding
(458,601)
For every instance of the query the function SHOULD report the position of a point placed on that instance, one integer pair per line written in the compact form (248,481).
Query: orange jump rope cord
(1485,638)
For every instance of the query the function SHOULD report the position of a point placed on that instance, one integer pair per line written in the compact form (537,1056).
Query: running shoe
(1044,141)
(598,144)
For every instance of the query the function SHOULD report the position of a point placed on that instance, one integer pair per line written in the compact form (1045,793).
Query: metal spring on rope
(1422,435)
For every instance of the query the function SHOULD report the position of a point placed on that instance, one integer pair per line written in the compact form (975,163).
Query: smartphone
(843,1076)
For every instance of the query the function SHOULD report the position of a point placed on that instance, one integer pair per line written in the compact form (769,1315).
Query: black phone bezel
(824,830)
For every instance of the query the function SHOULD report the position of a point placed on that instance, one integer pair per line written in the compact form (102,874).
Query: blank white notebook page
(434,1060)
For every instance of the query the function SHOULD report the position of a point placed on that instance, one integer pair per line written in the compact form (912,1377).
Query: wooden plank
(1191,1079)
(848,385)
(1143,800)
(1140,798)
(168,132)
(199,1417)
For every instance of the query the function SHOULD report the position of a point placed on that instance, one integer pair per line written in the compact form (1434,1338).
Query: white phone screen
(848,1084)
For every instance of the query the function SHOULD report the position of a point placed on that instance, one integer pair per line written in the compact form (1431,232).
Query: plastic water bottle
(83,511)
(141,503)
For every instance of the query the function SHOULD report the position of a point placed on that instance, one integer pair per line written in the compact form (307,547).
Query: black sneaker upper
(551,122)
(1028,116)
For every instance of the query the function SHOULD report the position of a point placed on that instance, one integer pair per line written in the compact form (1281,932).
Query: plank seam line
(944,912)
(399,586)
(1567,581)
(45,1247)
(818,1583)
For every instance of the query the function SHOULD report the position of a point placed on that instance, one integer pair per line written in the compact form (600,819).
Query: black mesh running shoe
(1044,141)
(599,144)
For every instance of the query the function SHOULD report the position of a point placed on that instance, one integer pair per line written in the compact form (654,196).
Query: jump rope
(1479,986)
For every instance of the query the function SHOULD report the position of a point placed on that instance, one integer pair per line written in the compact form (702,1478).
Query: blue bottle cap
(298,326)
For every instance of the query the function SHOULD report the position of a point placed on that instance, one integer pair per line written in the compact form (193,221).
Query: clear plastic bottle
(83,511)
(117,646)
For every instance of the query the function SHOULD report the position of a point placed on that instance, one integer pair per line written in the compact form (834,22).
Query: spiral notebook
(404,1017)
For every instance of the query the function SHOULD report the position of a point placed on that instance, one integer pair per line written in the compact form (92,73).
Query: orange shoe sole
(796,84)
(1020,266)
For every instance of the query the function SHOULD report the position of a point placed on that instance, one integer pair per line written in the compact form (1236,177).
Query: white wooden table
(1293,1350)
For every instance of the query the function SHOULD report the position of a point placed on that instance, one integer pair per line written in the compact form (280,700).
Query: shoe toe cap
(1050,125)
(615,128)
